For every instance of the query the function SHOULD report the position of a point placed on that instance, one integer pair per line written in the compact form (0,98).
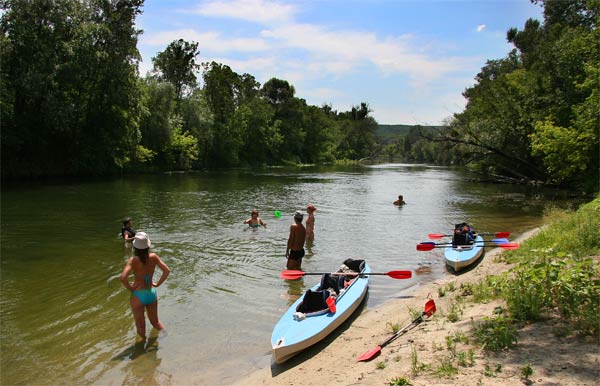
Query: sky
(410,60)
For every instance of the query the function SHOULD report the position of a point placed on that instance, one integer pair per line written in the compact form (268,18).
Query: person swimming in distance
(254,221)
(399,201)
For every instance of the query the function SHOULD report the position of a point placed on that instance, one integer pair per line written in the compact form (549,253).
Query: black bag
(331,282)
(313,301)
(355,265)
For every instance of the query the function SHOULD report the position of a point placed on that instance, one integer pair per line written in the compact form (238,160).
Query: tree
(177,65)
(69,75)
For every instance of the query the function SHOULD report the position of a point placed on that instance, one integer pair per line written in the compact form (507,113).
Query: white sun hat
(141,240)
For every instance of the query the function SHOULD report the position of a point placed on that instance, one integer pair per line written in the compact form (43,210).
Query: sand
(568,360)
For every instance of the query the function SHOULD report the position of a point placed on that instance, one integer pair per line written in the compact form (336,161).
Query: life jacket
(463,235)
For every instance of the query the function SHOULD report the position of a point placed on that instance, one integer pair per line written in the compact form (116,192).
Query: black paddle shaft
(412,324)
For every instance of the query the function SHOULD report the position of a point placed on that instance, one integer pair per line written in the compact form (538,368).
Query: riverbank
(441,350)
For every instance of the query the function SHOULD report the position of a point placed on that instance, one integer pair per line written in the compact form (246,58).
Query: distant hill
(388,133)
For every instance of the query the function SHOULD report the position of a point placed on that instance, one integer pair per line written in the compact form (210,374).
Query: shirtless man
(295,245)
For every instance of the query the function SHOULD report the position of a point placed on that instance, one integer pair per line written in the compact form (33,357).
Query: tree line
(73,103)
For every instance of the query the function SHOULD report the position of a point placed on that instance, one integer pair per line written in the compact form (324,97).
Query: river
(65,317)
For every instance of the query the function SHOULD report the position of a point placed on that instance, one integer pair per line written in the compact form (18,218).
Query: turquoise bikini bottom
(146,296)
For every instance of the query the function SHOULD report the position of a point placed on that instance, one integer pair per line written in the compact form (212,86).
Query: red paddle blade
(291,274)
(509,246)
(369,354)
(502,234)
(429,307)
(400,274)
(425,247)
(436,236)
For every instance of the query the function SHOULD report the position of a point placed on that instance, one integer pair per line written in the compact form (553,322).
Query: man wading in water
(295,245)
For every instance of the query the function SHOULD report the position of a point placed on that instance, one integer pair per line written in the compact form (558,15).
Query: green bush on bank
(557,270)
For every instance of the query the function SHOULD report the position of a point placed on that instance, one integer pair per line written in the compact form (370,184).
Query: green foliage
(454,312)
(526,371)
(143,155)
(395,327)
(446,368)
(69,81)
(183,150)
(416,366)
(177,65)
(466,358)
(565,152)
(380,365)
(556,272)
(492,372)
(400,381)
(495,334)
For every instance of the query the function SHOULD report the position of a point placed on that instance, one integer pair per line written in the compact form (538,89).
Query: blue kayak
(298,329)
(462,256)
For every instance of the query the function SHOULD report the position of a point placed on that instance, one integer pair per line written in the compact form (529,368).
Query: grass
(495,334)
(400,381)
(453,312)
(380,365)
(526,371)
(559,269)
(556,271)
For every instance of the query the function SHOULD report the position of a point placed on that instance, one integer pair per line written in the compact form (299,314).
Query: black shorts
(296,255)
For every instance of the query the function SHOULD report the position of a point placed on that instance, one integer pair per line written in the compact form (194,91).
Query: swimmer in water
(254,221)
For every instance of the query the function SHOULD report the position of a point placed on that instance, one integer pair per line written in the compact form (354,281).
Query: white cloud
(481,27)
(260,11)
(210,41)
(334,52)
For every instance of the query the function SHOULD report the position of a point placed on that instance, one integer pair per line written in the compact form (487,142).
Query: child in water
(255,221)
(310,223)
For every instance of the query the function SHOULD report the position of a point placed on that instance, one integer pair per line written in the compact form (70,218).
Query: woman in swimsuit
(143,292)
(254,221)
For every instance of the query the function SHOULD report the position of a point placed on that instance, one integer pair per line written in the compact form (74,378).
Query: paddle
(429,310)
(291,274)
(429,247)
(435,236)
(497,241)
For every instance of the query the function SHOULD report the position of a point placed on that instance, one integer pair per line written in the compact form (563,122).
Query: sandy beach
(568,360)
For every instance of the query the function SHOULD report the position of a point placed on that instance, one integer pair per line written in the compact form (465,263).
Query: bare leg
(294,264)
(138,314)
(153,315)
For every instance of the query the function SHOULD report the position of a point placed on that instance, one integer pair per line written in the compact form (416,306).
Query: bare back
(297,237)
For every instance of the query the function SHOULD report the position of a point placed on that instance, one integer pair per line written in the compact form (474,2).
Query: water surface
(65,315)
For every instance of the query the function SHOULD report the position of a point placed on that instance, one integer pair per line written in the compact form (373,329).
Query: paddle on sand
(291,274)
(429,310)
(435,236)
(429,247)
